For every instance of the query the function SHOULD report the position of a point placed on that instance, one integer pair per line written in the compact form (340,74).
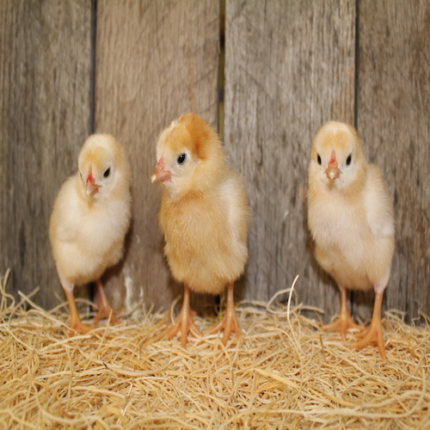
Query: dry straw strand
(285,373)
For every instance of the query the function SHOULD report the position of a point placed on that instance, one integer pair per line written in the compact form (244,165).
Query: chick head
(337,158)
(189,156)
(99,162)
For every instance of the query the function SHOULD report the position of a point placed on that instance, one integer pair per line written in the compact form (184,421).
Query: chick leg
(184,323)
(75,321)
(229,322)
(374,332)
(104,308)
(345,321)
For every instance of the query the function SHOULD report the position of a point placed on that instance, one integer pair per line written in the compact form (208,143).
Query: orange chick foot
(104,308)
(345,321)
(342,325)
(106,313)
(79,327)
(229,323)
(184,325)
(373,334)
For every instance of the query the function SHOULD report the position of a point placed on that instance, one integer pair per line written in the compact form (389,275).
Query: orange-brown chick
(90,218)
(350,216)
(203,216)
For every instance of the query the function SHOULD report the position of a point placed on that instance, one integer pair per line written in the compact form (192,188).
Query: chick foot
(374,332)
(79,327)
(229,322)
(76,324)
(345,321)
(342,325)
(103,306)
(184,323)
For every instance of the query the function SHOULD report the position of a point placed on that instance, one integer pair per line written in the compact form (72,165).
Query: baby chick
(350,216)
(90,218)
(203,216)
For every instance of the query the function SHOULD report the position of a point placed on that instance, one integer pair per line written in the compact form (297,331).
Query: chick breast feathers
(204,209)
(91,214)
(203,216)
(350,217)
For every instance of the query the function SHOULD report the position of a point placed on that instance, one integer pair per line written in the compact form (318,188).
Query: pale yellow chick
(203,216)
(90,218)
(350,216)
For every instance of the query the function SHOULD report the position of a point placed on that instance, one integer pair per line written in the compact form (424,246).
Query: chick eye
(319,159)
(348,160)
(106,173)
(182,157)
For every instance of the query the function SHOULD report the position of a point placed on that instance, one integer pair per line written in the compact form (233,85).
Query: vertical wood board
(394,124)
(155,61)
(45,71)
(290,66)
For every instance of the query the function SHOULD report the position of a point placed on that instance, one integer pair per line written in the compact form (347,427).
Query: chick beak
(332,170)
(90,184)
(160,174)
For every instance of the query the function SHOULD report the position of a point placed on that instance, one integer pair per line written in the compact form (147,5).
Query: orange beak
(160,174)
(90,184)
(332,170)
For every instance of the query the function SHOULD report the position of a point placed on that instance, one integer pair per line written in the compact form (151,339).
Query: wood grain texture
(155,61)
(45,71)
(290,66)
(393,122)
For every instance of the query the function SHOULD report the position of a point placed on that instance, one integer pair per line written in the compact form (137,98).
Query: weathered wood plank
(393,121)
(155,61)
(45,61)
(290,67)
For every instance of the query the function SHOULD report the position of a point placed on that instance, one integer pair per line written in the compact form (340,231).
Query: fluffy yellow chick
(350,216)
(90,218)
(203,216)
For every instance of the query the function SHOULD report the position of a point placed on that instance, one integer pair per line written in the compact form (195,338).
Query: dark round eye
(319,159)
(106,173)
(348,160)
(182,158)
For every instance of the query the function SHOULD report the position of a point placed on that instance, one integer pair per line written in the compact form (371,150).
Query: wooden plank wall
(155,60)
(45,99)
(289,67)
(393,117)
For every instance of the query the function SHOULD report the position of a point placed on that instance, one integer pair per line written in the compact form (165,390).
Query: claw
(184,323)
(345,321)
(76,324)
(229,322)
(104,308)
(374,332)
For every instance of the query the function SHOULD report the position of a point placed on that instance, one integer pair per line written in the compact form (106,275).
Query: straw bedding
(284,374)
